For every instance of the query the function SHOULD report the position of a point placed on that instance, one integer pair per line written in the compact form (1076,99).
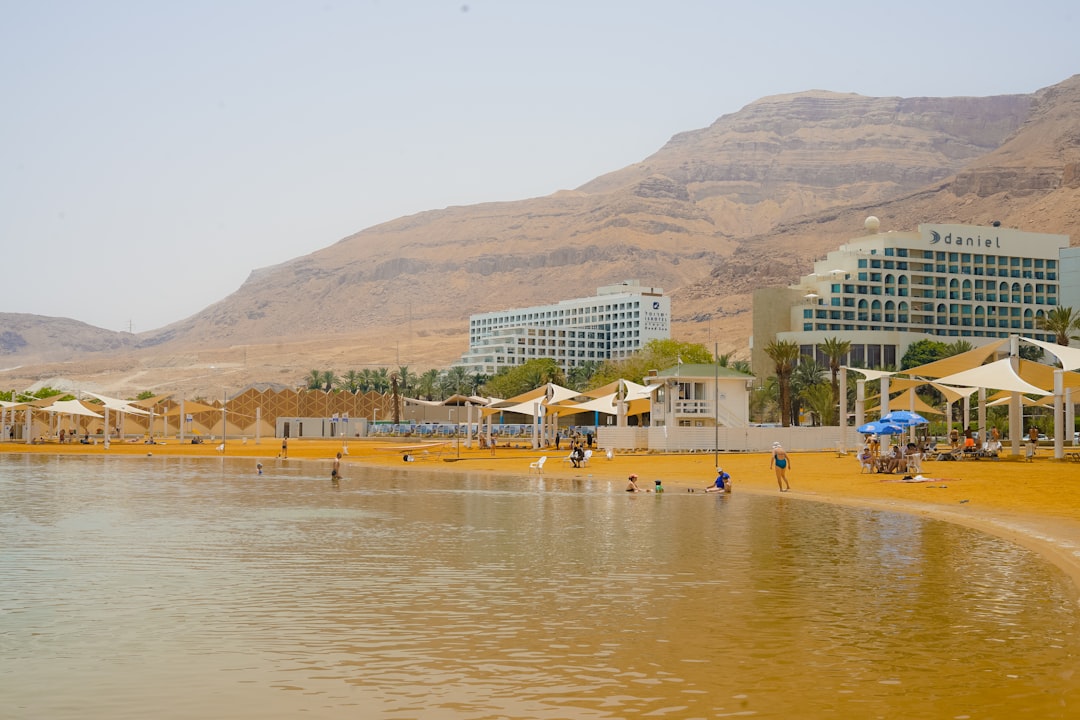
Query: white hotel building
(886,291)
(614,324)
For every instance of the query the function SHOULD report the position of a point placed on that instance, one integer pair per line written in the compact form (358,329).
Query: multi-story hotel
(887,290)
(614,324)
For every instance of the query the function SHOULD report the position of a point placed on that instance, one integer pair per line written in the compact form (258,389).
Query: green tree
(519,379)
(818,399)
(455,381)
(1062,322)
(923,352)
(381,380)
(314,380)
(809,373)
(784,354)
(835,350)
(428,384)
(655,355)
(328,380)
(581,375)
(406,380)
(349,382)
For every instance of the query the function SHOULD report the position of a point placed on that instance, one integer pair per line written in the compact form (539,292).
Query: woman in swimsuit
(780,463)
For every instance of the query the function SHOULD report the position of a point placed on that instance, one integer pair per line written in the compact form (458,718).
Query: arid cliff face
(749,201)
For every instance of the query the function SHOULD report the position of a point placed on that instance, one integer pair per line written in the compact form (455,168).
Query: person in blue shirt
(722,482)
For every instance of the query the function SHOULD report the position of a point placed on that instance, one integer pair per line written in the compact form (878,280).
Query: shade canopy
(877,427)
(1069,357)
(71,407)
(904,418)
(998,375)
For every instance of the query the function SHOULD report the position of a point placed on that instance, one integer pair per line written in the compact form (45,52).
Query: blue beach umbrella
(904,418)
(878,427)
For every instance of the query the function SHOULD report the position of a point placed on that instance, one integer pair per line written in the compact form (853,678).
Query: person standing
(285,447)
(335,474)
(1033,442)
(780,462)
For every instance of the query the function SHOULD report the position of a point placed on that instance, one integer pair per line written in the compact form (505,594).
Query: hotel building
(887,290)
(614,324)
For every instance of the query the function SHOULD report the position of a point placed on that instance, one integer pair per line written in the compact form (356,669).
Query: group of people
(779,462)
(899,458)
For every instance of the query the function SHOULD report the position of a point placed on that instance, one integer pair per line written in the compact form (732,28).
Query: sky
(154,153)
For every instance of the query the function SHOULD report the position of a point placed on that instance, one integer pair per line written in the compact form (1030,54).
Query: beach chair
(956,453)
(538,465)
(866,463)
(585,460)
(914,462)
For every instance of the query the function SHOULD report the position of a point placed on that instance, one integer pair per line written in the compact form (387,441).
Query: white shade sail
(997,375)
(1068,356)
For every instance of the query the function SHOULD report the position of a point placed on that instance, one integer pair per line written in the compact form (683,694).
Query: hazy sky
(154,152)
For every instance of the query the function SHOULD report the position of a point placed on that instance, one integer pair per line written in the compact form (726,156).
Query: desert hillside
(749,201)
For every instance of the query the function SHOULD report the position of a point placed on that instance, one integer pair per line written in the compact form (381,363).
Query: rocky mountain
(750,200)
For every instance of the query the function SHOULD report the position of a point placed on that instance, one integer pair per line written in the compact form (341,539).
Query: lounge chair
(914,462)
(956,453)
(866,463)
(538,465)
(585,460)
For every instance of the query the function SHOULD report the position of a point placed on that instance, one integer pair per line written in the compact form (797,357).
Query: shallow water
(180,588)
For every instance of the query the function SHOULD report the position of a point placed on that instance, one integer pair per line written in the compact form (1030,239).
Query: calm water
(178,588)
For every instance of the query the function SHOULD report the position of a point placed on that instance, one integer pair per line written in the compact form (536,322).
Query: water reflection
(194,588)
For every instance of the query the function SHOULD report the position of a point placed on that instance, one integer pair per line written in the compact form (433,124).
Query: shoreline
(1033,504)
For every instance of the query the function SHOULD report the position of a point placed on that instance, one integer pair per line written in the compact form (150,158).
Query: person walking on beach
(1033,442)
(780,463)
(335,474)
(285,447)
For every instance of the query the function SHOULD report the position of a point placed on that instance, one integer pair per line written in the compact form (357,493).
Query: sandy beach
(1035,504)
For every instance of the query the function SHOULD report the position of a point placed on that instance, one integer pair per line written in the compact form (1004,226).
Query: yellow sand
(1036,503)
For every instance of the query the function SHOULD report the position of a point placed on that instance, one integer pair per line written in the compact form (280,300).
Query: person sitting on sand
(722,483)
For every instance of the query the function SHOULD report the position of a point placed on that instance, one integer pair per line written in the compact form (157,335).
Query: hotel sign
(975,238)
(655,315)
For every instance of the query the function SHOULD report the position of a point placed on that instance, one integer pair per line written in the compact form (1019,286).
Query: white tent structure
(999,375)
(124,407)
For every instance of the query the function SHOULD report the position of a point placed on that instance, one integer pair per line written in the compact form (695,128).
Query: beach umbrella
(877,427)
(904,418)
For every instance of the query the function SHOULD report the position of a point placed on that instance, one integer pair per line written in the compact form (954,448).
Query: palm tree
(819,399)
(784,354)
(807,374)
(580,375)
(349,382)
(381,380)
(428,384)
(328,380)
(1062,322)
(456,381)
(314,380)
(835,350)
(406,380)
